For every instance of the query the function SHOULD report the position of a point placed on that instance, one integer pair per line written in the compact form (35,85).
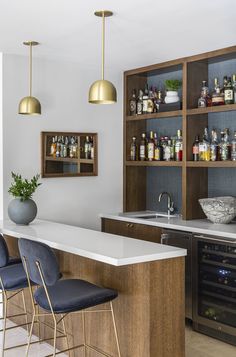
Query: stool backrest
(35,252)
(4,253)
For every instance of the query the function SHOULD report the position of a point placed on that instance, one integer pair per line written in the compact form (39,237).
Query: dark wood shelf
(160,115)
(211,164)
(155,163)
(216,109)
(62,159)
(87,161)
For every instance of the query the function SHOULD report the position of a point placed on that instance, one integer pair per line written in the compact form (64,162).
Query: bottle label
(195,150)
(142,151)
(217,99)
(150,106)
(167,153)
(139,108)
(132,107)
(150,151)
(145,105)
(157,154)
(229,94)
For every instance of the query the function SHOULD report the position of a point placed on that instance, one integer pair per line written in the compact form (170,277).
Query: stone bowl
(221,210)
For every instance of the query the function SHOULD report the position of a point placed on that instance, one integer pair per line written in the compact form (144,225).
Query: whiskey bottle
(157,149)
(151,147)
(229,93)
(214,146)
(133,149)
(217,95)
(53,147)
(145,100)
(196,149)
(179,146)
(140,103)
(58,149)
(233,148)
(234,87)
(133,103)
(204,147)
(202,101)
(150,102)
(159,100)
(143,148)
(73,148)
(63,151)
(92,148)
(87,148)
(224,147)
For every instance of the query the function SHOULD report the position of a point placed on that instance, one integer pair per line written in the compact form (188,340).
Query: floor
(197,345)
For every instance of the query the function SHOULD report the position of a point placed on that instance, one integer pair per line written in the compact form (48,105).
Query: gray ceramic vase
(22,212)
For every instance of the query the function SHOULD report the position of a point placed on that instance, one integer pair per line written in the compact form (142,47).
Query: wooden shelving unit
(68,166)
(194,175)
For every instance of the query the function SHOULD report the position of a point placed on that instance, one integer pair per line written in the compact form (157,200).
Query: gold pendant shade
(102,91)
(30,105)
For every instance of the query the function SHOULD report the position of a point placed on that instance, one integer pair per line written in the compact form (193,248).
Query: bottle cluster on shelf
(147,101)
(221,95)
(68,147)
(213,149)
(165,148)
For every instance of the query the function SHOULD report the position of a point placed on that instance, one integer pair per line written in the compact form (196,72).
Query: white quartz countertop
(103,247)
(199,226)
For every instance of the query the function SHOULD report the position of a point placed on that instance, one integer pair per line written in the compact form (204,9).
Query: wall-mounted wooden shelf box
(68,154)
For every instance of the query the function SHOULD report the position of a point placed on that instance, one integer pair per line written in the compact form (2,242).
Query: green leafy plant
(173,84)
(23,188)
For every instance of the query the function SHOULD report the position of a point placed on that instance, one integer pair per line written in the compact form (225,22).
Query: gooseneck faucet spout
(170,203)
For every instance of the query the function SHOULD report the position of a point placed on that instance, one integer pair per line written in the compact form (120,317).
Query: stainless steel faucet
(170,203)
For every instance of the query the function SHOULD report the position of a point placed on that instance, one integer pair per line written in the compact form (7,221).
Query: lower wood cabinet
(132,230)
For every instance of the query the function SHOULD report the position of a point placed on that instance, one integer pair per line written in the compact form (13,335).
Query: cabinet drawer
(132,230)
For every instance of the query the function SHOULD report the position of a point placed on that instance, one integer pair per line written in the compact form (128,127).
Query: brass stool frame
(63,332)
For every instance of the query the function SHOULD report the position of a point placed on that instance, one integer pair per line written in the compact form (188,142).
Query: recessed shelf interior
(221,182)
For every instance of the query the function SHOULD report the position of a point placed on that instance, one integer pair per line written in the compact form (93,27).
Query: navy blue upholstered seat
(13,277)
(5,259)
(73,295)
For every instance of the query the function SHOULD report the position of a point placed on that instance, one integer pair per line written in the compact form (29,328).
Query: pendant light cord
(103,43)
(30,71)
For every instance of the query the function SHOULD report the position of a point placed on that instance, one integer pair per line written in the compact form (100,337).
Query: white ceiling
(141,32)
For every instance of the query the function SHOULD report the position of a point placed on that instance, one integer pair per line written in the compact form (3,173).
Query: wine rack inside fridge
(214,306)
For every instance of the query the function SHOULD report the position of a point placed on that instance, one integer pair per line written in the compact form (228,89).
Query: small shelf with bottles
(67,154)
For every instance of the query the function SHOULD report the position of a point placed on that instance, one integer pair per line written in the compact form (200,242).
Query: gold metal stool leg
(65,332)
(25,311)
(30,335)
(4,321)
(115,329)
(84,334)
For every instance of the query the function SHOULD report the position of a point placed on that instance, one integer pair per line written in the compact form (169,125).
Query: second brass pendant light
(102,91)
(30,105)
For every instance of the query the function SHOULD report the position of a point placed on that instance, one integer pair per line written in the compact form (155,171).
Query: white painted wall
(62,89)
(1,143)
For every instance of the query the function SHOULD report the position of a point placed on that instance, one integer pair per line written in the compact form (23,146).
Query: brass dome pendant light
(102,91)
(30,105)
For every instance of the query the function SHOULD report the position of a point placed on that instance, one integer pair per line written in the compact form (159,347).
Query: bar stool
(61,297)
(12,279)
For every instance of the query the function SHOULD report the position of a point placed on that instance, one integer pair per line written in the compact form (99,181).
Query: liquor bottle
(73,148)
(133,103)
(225,82)
(151,147)
(58,149)
(217,95)
(159,100)
(66,148)
(233,148)
(224,147)
(63,151)
(87,148)
(204,147)
(145,100)
(150,102)
(143,148)
(214,148)
(155,100)
(196,149)
(92,148)
(133,149)
(229,93)
(140,103)
(202,101)
(234,87)
(167,149)
(179,146)
(172,153)
(157,149)
(53,147)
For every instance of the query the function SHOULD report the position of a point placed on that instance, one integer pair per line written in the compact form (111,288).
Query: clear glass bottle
(87,148)
(202,101)
(214,146)
(151,147)
(234,87)
(140,103)
(229,93)
(150,102)
(133,149)
(73,148)
(58,149)
(196,149)
(145,100)
(204,147)
(143,148)
(92,148)
(224,147)
(217,95)
(179,146)
(133,104)
(233,148)
(63,152)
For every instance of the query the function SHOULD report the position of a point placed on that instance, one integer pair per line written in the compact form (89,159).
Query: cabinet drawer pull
(130,225)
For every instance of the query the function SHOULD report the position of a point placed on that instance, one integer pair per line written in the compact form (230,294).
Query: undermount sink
(154,216)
